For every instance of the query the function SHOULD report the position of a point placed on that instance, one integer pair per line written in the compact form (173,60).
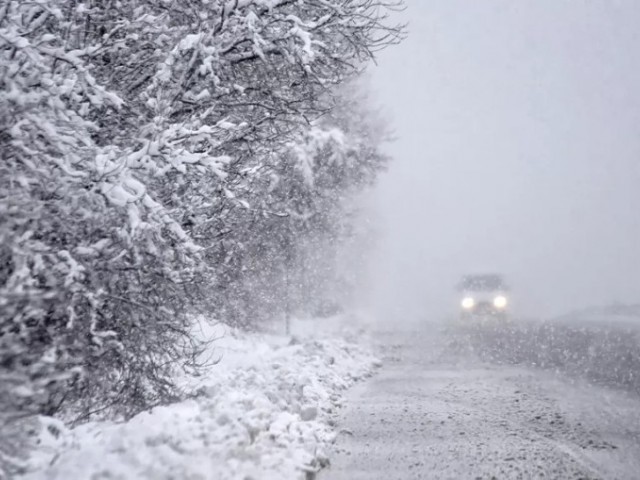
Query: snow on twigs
(264,411)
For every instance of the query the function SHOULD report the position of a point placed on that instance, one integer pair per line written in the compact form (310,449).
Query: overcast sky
(517,151)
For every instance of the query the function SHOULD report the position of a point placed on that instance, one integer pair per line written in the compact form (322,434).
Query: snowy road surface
(460,405)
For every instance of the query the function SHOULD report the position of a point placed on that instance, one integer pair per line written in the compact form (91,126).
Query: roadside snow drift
(264,412)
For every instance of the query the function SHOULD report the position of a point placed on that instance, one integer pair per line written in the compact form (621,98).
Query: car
(483,296)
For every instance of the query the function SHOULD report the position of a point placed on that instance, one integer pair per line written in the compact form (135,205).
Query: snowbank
(264,412)
(619,315)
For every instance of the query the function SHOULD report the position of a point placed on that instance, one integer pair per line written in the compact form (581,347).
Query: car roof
(489,281)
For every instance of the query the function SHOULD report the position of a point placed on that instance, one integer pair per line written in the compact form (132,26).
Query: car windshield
(480,283)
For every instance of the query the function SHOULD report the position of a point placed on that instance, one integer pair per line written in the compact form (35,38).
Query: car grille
(484,307)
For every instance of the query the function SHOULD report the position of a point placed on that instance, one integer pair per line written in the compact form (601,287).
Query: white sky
(518,151)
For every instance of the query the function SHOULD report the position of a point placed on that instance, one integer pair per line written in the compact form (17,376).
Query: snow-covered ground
(444,407)
(265,411)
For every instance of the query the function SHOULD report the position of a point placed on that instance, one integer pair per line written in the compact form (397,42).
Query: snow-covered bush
(149,168)
(91,296)
(305,202)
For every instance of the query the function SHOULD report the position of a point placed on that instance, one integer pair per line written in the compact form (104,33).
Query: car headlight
(500,301)
(468,303)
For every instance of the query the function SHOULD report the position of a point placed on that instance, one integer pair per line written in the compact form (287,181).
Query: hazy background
(518,148)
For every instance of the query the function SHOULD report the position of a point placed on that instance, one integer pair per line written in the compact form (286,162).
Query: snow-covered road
(443,407)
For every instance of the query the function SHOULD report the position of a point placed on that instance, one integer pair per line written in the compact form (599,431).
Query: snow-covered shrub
(236,87)
(91,296)
(304,213)
(147,152)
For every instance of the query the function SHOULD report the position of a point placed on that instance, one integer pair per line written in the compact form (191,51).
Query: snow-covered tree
(303,210)
(148,151)
(92,268)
